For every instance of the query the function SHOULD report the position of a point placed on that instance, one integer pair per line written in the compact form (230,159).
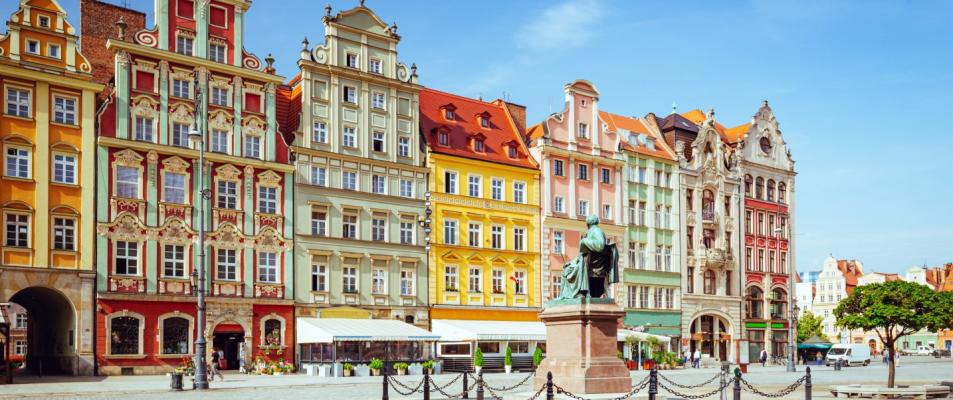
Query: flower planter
(375,372)
(348,372)
(402,371)
(429,371)
(477,370)
(508,368)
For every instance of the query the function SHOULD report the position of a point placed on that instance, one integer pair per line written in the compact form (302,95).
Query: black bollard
(426,385)
(807,385)
(653,383)
(480,386)
(466,392)
(385,395)
(736,391)
(549,386)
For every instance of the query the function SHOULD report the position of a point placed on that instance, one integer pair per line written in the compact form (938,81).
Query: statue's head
(592,220)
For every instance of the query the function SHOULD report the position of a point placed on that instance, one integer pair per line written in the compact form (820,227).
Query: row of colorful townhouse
(351,191)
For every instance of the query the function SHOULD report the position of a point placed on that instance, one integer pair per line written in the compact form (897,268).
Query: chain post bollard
(807,385)
(426,385)
(549,386)
(466,392)
(480,386)
(653,383)
(737,388)
(385,395)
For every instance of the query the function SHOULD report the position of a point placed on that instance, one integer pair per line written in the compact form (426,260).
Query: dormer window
(351,60)
(485,122)
(478,145)
(583,131)
(53,50)
(513,153)
(448,114)
(43,21)
(33,47)
(443,138)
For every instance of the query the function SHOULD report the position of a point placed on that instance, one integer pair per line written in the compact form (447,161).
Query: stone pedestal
(581,347)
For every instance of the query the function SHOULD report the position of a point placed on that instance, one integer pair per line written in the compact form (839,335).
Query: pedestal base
(581,347)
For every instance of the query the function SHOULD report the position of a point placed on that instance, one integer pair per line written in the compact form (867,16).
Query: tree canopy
(809,325)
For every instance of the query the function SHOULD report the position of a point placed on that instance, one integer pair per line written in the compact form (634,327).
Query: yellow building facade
(47,187)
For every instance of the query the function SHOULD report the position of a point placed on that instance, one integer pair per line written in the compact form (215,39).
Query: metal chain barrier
(784,392)
(507,388)
(695,396)
(440,389)
(538,392)
(395,383)
(560,390)
(452,381)
(635,390)
(673,383)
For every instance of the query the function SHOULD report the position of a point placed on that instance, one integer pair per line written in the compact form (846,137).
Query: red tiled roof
(501,132)
(851,269)
(729,135)
(615,122)
(288,111)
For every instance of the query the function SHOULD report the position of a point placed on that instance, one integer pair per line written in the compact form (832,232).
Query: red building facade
(192,62)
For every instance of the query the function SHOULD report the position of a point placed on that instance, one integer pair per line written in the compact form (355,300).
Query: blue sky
(862,89)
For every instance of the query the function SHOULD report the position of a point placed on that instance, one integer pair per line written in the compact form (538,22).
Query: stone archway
(711,333)
(51,331)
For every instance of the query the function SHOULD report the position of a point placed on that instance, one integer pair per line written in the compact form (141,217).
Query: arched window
(708,205)
(748,183)
(709,281)
(125,335)
(779,303)
(175,335)
(759,188)
(782,192)
(755,303)
(770,189)
(409,319)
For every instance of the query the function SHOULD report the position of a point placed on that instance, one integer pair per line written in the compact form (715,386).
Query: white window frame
(408,282)
(475,279)
(64,113)
(136,185)
(559,204)
(474,185)
(319,176)
(179,194)
(145,129)
(319,226)
(350,229)
(349,136)
(133,259)
(183,43)
(64,168)
(20,228)
(170,260)
(350,180)
(32,47)
(378,100)
(519,192)
(213,55)
(450,181)
(19,102)
(497,281)
(379,139)
(519,238)
(519,285)
(475,234)
(496,189)
(179,91)
(378,281)
(406,188)
(375,66)
(226,194)
(379,184)
(350,279)
(379,228)
(497,237)
(559,242)
(451,278)
(319,132)
(407,231)
(268,200)
(403,147)
(268,267)
(252,142)
(451,232)
(226,268)
(319,270)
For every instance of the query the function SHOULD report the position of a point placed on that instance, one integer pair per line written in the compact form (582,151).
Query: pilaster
(41,225)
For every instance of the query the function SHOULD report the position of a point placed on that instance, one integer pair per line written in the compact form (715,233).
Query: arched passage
(51,331)
(711,335)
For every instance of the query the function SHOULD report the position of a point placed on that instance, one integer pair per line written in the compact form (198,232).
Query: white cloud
(566,24)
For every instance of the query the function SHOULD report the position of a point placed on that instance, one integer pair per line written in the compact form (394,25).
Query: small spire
(764,103)
(674,108)
(269,64)
(121,26)
(362,3)
(327,10)
(413,70)
(393,28)
(711,113)
(304,43)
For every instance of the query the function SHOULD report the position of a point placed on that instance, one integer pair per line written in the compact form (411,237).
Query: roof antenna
(674,108)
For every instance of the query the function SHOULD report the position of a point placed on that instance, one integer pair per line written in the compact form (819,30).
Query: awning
(642,336)
(328,330)
(455,330)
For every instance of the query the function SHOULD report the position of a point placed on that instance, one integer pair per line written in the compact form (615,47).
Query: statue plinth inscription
(581,323)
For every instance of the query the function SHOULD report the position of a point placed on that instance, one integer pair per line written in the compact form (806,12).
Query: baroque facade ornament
(220,120)
(227,236)
(128,158)
(182,113)
(269,178)
(175,164)
(126,227)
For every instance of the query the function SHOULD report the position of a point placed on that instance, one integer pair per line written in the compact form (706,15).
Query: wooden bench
(882,392)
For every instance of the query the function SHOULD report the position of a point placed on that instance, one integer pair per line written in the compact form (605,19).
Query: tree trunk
(891,365)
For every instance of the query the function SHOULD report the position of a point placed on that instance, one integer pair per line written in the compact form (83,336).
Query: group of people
(695,358)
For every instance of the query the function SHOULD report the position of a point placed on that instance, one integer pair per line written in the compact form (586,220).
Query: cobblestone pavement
(913,370)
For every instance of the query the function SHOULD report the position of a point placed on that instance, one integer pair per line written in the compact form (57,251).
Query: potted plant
(478,360)
(508,360)
(401,368)
(376,365)
(427,366)
(348,369)
(537,357)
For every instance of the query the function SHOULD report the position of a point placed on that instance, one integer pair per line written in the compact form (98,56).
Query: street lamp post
(197,136)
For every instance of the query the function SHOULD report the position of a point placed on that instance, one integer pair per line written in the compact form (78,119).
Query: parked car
(923,351)
(848,354)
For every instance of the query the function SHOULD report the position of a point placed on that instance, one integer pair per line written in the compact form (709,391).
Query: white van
(850,354)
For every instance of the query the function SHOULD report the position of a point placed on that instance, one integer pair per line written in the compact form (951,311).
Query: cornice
(46,76)
(190,60)
(483,204)
(345,157)
(193,154)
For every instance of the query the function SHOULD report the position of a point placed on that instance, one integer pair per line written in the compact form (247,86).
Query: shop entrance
(227,339)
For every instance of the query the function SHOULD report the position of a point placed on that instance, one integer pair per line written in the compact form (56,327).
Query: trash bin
(175,382)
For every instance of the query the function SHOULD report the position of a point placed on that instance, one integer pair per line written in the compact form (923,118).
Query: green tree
(893,310)
(809,325)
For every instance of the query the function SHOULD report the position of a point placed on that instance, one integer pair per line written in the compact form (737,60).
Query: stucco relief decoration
(219,82)
(217,40)
(320,55)
(182,114)
(270,241)
(220,120)
(144,106)
(228,172)
(127,158)
(175,232)
(403,74)
(269,178)
(148,38)
(122,57)
(250,61)
(227,236)
(125,227)
(147,66)
(186,33)
(175,165)
(253,126)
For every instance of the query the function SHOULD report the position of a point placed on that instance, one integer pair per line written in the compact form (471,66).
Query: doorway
(227,339)
(50,332)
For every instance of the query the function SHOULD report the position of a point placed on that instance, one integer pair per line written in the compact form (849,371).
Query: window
(17,230)
(450,182)
(407,282)
(219,141)
(173,187)
(319,176)
(558,242)
(216,52)
(175,335)
(450,232)
(484,122)
(127,182)
(20,321)
(760,260)
(496,281)
(378,281)
(771,261)
(783,268)
(350,95)
(643,255)
(319,278)
(227,195)
(748,183)
(406,188)
(642,171)
(268,267)
(64,110)
(583,208)
(64,169)
(474,185)
(268,200)
(709,281)
(475,234)
(758,188)
(558,167)
(349,279)
(583,172)
(749,259)
(320,132)
(519,281)
(476,280)
(583,131)
(690,287)
(558,205)
(782,192)
(350,60)
(379,184)
(748,222)
(183,45)
(478,146)
(519,192)
(127,258)
(144,130)
(349,180)
(658,257)
(607,211)
(378,142)
(18,102)
(496,237)
(319,222)
(659,297)
(181,88)
(450,278)
(407,232)
(519,239)
(761,224)
(44,21)
(124,335)
(403,147)
(253,146)
(496,189)
(375,66)
(448,114)
(350,137)
(443,139)
(512,152)
(226,267)
(180,135)
(606,176)
(379,228)
(220,96)
(349,225)
(33,47)
(173,261)
(770,189)
(377,101)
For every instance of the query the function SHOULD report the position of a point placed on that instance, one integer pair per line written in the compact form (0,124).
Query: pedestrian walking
(886,354)
(242,368)
(696,359)
(763,357)
(216,356)
(686,357)
(896,359)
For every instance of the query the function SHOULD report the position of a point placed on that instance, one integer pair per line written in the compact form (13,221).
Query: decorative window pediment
(498,261)
(144,106)
(450,256)
(228,172)
(182,113)
(128,158)
(476,259)
(269,178)
(186,33)
(252,125)
(125,227)
(220,82)
(269,241)
(175,232)
(227,236)
(175,164)
(220,120)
